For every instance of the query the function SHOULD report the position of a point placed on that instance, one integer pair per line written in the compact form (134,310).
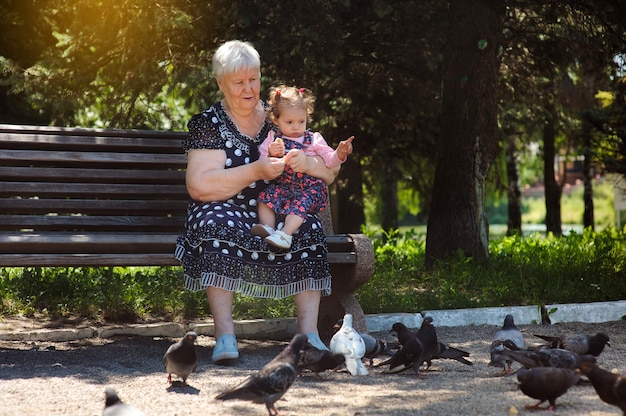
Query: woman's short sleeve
(204,132)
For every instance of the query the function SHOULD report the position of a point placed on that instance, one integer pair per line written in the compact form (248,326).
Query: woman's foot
(225,348)
(316,342)
(279,239)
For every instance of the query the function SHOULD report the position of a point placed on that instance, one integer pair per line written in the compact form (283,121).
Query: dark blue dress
(217,248)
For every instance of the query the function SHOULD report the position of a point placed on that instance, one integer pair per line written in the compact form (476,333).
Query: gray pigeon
(428,335)
(272,381)
(549,357)
(416,350)
(579,343)
(113,406)
(403,333)
(611,388)
(181,358)
(546,383)
(506,338)
(444,351)
(318,361)
(374,347)
(409,355)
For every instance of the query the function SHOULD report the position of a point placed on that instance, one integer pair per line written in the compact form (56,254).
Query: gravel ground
(69,378)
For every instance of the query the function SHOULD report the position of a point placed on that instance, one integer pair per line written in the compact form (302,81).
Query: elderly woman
(224,177)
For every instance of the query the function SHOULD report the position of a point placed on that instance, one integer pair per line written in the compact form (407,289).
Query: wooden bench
(93,197)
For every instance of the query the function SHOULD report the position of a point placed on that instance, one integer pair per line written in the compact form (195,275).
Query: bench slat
(102,260)
(90,223)
(26,157)
(56,174)
(92,206)
(95,190)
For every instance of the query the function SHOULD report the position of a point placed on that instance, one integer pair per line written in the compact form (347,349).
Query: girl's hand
(345,148)
(277,148)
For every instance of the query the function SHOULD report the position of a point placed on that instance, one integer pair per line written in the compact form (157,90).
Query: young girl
(293,194)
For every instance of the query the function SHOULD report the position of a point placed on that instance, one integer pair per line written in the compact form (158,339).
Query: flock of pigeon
(548,370)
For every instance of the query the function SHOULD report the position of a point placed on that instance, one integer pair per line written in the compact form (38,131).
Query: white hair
(234,56)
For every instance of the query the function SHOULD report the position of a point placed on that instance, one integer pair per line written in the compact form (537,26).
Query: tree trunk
(514,195)
(347,194)
(389,196)
(588,215)
(552,188)
(469,134)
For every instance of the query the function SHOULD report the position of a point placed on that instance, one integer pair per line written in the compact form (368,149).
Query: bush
(531,270)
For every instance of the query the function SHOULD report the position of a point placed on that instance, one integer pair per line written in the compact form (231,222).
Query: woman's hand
(311,165)
(269,168)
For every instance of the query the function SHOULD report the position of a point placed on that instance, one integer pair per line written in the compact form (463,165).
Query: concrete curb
(596,312)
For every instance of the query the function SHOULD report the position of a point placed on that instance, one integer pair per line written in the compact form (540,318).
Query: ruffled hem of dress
(231,275)
(255,290)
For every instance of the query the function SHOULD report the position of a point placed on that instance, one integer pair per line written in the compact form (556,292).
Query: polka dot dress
(217,248)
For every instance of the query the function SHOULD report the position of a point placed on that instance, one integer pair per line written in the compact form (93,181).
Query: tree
(469,135)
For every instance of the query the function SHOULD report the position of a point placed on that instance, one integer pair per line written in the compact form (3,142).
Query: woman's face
(241,89)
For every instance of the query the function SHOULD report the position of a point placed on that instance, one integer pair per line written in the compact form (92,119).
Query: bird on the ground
(611,388)
(443,351)
(113,406)
(549,357)
(349,343)
(181,358)
(428,335)
(579,343)
(403,333)
(318,361)
(414,351)
(546,383)
(374,347)
(506,338)
(273,380)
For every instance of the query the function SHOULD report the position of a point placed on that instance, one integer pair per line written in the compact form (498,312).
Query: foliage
(533,270)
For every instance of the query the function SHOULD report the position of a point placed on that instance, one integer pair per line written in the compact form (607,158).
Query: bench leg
(334,307)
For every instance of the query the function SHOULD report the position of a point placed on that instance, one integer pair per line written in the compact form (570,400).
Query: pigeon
(181,358)
(550,357)
(374,347)
(318,361)
(546,383)
(611,388)
(273,380)
(349,343)
(416,350)
(579,343)
(409,355)
(444,351)
(403,333)
(506,338)
(428,335)
(113,406)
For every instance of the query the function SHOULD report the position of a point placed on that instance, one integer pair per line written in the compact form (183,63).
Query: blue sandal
(225,348)
(316,342)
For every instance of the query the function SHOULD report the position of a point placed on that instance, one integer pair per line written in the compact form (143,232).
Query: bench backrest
(91,197)
(57,181)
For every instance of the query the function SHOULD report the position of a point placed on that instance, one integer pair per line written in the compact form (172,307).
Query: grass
(534,269)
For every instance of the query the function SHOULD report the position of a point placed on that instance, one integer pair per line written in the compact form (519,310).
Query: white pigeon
(349,343)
